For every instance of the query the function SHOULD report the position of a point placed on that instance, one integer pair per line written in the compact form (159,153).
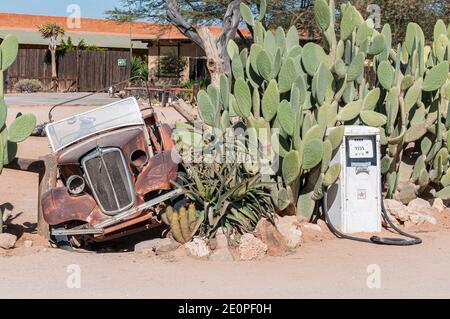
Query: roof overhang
(101,40)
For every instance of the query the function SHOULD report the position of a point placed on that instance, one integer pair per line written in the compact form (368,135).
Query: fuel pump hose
(374,239)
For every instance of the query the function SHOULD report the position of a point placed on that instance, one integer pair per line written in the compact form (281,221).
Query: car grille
(109,178)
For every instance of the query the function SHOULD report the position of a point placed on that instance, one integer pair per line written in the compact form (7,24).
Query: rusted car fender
(157,174)
(58,206)
(166,136)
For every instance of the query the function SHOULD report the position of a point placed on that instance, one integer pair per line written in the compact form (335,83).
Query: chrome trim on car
(98,153)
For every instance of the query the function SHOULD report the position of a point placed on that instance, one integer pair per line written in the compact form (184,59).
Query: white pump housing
(353,202)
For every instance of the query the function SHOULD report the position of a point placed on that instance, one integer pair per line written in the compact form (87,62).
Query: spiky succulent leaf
(225,91)
(305,205)
(385,74)
(327,153)
(371,99)
(349,22)
(312,56)
(292,164)
(378,45)
(356,67)
(270,101)
(415,132)
(247,14)
(332,175)
(336,136)
(232,49)
(21,128)
(444,193)
(413,94)
(3,112)
(286,117)
(312,153)
(292,39)
(436,77)
(322,14)
(9,49)
(288,74)
(243,98)
(350,111)
(264,62)
(373,118)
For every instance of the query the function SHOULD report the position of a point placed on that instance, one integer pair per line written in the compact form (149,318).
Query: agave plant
(226,194)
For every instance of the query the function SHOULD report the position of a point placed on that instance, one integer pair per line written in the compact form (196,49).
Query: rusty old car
(116,171)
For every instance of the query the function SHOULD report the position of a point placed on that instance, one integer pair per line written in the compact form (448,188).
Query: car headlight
(75,184)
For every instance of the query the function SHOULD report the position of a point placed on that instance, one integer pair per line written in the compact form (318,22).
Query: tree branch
(177,19)
(230,26)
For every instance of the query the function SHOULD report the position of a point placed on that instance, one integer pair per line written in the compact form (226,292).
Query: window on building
(170,63)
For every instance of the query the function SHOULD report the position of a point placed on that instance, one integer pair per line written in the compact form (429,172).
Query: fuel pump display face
(360,147)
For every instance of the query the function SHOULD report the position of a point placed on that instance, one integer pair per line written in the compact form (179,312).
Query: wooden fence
(85,71)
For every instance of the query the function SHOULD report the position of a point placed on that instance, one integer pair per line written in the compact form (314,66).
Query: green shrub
(139,68)
(28,86)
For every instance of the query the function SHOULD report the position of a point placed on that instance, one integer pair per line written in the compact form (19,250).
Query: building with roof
(152,40)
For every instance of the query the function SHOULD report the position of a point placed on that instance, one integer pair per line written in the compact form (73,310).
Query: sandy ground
(327,268)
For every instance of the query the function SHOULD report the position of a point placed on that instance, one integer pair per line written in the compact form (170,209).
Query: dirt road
(330,269)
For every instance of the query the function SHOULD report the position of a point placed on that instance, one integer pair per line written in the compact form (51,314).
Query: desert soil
(322,267)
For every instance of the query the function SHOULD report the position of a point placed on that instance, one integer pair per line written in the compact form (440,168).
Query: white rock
(438,205)
(419,205)
(251,247)
(416,219)
(7,241)
(197,248)
(28,243)
(289,227)
(221,239)
(313,227)
(431,219)
(221,254)
(392,204)
(402,214)
(151,245)
(397,209)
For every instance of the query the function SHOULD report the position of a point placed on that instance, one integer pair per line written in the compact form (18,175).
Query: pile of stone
(267,240)
(7,241)
(417,212)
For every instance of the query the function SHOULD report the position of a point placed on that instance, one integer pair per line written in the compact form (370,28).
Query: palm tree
(52,31)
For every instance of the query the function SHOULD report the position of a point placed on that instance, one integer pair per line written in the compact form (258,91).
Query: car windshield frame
(66,132)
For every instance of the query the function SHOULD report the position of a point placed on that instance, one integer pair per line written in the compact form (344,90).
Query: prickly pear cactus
(309,93)
(23,125)
(409,101)
(294,94)
(414,80)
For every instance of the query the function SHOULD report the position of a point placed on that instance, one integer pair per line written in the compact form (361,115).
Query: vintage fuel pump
(354,204)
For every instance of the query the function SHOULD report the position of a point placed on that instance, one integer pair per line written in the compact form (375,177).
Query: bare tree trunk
(230,24)
(215,48)
(54,72)
(214,60)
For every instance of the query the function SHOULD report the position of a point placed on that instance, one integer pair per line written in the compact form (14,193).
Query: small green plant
(202,82)
(227,193)
(28,86)
(68,45)
(183,223)
(24,124)
(139,68)
(172,65)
